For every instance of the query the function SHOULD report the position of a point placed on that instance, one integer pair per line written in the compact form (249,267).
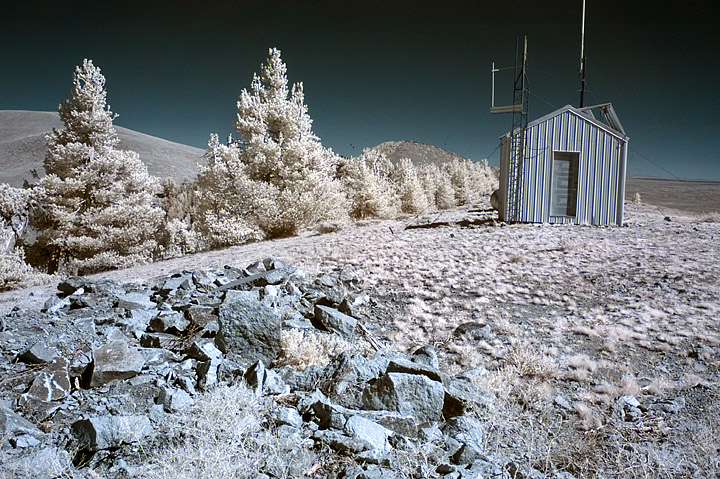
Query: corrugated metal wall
(601,175)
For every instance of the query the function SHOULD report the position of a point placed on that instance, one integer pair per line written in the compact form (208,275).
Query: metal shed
(566,167)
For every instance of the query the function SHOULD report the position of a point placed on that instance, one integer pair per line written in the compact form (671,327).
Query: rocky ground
(437,346)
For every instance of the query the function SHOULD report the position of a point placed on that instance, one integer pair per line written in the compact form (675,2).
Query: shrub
(94,210)
(368,187)
(410,189)
(470,180)
(438,187)
(16,273)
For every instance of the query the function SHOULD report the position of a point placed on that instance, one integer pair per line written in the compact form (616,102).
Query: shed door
(563,195)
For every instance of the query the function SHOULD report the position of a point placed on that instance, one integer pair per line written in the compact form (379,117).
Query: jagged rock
(115,360)
(171,285)
(629,407)
(171,322)
(523,472)
(39,353)
(401,365)
(135,300)
(248,328)
(52,383)
(333,320)
(427,356)
(111,431)
(394,421)
(466,430)
(411,394)
(12,424)
(466,455)
(484,466)
(354,303)
(174,399)
(47,463)
(344,378)
(340,442)
(371,472)
(366,430)
(305,380)
(286,416)
(459,394)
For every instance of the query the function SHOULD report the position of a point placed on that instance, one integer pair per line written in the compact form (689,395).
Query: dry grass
(302,349)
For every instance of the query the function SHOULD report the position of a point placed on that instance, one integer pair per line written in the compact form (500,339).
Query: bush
(367,185)
(438,187)
(16,273)
(409,187)
(470,179)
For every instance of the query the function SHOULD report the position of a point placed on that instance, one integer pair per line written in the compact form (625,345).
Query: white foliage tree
(296,173)
(409,187)
(367,184)
(470,179)
(438,186)
(94,210)
(228,199)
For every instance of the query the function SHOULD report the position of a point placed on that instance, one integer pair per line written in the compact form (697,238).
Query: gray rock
(344,378)
(427,356)
(248,329)
(47,463)
(400,365)
(135,300)
(466,455)
(366,430)
(334,320)
(171,322)
(111,431)
(459,394)
(340,442)
(12,424)
(38,354)
(174,399)
(286,416)
(411,394)
(466,430)
(115,360)
(52,383)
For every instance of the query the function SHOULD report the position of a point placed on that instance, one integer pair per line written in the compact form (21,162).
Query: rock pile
(90,383)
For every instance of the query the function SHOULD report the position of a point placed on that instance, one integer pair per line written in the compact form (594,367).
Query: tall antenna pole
(582,59)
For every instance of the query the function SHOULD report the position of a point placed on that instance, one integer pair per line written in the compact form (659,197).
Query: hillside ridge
(23,148)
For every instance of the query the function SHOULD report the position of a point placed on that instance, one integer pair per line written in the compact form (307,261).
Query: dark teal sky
(375,71)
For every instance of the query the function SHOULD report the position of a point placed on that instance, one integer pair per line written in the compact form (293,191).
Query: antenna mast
(519,110)
(582,59)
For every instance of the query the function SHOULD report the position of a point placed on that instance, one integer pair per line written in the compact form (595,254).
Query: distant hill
(419,153)
(23,148)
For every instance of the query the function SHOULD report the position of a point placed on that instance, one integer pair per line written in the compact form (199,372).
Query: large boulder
(115,360)
(411,394)
(107,432)
(249,330)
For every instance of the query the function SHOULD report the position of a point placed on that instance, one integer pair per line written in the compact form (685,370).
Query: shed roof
(612,126)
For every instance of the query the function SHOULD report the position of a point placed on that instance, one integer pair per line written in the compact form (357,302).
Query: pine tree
(367,183)
(94,210)
(409,187)
(284,155)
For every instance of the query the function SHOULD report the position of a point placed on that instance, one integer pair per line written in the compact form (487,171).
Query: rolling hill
(23,147)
